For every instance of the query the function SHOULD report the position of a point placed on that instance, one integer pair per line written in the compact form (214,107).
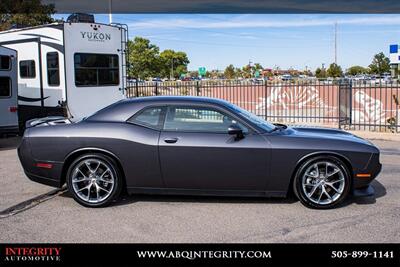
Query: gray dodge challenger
(195,146)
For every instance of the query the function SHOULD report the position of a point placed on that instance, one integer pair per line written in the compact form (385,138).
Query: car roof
(124,109)
(169,99)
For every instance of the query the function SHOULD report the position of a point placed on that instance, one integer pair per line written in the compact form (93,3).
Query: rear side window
(5,87)
(151,117)
(27,69)
(5,63)
(53,69)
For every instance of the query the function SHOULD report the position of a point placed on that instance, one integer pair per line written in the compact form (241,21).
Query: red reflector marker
(13,109)
(44,165)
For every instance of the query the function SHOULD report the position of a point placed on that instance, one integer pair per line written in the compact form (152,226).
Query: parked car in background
(286,77)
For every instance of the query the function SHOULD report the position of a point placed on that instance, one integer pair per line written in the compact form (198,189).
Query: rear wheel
(94,180)
(322,182)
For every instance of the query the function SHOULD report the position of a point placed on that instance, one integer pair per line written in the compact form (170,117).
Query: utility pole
(336,43)
(172,69)
(250,66)
(110,11)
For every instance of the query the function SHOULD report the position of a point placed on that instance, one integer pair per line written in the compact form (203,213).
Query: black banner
(226,6)
(200,254)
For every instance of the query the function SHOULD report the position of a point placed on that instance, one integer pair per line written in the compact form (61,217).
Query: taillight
(44,165)
(12,109)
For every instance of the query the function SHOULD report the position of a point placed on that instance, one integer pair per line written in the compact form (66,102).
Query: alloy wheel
(92,180)
(323,182)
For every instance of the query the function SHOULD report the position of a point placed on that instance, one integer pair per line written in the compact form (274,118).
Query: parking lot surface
(29,213)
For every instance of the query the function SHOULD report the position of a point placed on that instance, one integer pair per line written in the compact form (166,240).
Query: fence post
(137,88)
(351,103)
(198,88)
(156,88)
(265,99)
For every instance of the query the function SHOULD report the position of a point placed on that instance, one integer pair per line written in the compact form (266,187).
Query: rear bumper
(48,176)
(43,180)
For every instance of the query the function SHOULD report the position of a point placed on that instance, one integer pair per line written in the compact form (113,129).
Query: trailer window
(27,69)
(5,87)
(53,69)
(5,63)
(96,69)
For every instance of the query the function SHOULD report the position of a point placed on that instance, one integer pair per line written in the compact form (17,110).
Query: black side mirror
(236,130)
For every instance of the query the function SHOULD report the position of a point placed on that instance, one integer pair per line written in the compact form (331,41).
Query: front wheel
(322,182)
(94,180)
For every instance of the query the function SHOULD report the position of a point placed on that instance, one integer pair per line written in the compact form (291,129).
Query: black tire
(298,186)
(111,164)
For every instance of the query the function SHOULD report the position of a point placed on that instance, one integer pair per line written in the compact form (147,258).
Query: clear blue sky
(291,40)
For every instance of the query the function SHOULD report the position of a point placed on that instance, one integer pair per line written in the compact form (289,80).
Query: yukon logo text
(96,37)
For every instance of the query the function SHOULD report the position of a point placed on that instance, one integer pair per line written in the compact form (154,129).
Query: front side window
(199,119)
(27,69)
(263,124)
(5,63)
(5,87)
(96,69)
(53,69)
(149,117)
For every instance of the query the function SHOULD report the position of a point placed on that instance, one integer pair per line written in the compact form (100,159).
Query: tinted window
(252,117)
(198,119)
(149,117)
(27,69)
(5,63)
(5,87)
(96,70)
(53,69)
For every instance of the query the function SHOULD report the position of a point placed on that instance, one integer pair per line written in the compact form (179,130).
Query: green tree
(258,67)
(230,72)
(144,58)
(247,71)
(172,60)
(356,70)
(334,71)
(26,13)
(380,64)
(320,73)
(238,73)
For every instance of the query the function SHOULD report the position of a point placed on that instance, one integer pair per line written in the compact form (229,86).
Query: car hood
(325,133)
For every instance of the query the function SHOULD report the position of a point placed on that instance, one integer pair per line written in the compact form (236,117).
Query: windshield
(261,123)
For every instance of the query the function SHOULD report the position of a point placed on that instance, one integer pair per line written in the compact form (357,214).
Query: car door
(196,151)
(141,158)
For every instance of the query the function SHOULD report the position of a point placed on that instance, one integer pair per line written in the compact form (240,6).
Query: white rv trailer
(8,91)
(68,69)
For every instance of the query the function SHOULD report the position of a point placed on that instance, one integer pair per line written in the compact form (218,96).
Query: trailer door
(94,67)
(8,91)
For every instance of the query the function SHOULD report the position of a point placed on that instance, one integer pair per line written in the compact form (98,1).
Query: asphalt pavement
(30,212)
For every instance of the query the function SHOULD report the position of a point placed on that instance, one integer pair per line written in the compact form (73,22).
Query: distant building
(395,60)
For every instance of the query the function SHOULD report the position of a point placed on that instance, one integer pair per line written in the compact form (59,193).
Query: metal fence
(358,105)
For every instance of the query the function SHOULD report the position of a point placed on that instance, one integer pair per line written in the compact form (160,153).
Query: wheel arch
(341,157)
(82,151)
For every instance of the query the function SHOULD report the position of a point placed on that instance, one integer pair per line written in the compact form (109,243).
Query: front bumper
(364,192)
(361,186)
